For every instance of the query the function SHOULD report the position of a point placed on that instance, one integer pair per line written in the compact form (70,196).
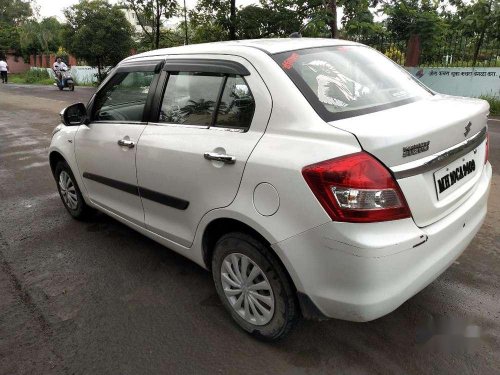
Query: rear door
(211,113)
(106,147)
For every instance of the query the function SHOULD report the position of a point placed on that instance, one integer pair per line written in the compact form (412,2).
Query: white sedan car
(313,177)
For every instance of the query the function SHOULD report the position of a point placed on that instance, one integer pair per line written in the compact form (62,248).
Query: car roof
(269,46)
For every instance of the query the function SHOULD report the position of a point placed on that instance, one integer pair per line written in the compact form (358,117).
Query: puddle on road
(36,165)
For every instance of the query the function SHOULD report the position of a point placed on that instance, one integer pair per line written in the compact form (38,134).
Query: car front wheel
(69,192)
(253,286)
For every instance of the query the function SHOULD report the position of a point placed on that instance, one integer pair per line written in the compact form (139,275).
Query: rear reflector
(356,188)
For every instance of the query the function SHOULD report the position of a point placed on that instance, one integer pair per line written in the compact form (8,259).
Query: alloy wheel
(68,190)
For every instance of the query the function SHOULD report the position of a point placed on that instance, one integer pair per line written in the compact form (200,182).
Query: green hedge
(36,75)
(494,104)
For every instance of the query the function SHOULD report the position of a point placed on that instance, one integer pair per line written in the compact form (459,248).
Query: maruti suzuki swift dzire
(312,177)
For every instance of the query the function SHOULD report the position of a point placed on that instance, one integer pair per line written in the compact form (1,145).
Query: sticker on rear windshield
(288,63)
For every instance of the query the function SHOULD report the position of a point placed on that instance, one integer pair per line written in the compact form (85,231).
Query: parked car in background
(313,177)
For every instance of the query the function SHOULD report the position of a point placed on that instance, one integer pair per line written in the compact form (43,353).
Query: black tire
(71,87)
(82,210)
(286,309)
(60,88)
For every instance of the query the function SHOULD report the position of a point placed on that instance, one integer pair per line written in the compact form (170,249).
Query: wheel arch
(54,158)
(222,225)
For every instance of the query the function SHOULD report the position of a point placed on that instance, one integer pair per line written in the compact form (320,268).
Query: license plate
(455,174)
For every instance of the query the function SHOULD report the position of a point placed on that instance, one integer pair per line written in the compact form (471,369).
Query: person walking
(4,68)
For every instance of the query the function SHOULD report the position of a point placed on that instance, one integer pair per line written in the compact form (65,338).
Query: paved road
(98,298)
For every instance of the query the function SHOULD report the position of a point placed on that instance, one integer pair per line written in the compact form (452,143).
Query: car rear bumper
(360,272)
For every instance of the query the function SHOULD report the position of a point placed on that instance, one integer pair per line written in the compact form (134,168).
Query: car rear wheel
(70,193)
(253,286)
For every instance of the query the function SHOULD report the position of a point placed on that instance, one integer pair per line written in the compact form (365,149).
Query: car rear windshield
(346,81)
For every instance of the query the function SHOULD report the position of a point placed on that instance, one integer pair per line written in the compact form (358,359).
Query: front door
(192,159)
(106,147)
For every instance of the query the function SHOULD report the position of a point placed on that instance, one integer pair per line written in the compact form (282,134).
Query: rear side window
(124,98)
(346,81)
(237,105)
(190,98)
(207,99)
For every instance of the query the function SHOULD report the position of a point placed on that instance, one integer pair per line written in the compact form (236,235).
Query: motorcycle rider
(58,67)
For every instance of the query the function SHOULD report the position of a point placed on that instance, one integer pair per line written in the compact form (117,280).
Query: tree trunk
(478,47)
(232,21)
(331,8)
(99,74)
(157,33)
(186,23)
(481,36)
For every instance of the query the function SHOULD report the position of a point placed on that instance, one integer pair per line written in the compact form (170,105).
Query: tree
(44,36)
(478,20)
(232,20)
(358,22)
(97,32)
(12,14)
(9,39)
(149,15)
(332,18)
(408,18)
(255,22)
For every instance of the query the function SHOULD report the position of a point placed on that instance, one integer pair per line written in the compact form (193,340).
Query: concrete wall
(81,74)
(460,81)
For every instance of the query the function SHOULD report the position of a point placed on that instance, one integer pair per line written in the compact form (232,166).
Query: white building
(132,18)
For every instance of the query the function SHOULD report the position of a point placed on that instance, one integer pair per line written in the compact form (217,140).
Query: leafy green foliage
(44,36)
(98,33)
(9,39)
(14,12)
(494,102)
(38,76)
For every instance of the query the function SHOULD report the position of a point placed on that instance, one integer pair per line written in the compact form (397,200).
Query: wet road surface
(99,298)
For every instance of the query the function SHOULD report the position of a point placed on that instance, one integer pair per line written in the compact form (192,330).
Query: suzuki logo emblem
(467,128)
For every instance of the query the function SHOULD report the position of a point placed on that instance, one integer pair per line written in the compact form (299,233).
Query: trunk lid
(421,131)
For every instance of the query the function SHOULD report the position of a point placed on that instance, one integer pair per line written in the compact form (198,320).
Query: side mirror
(74,115)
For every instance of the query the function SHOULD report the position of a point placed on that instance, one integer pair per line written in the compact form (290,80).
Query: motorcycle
(64,79)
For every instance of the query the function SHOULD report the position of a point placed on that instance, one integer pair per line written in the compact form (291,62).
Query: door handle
(126,143)
(228,159)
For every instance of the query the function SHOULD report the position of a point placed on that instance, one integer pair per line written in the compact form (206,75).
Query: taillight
(486,155)
(356,188)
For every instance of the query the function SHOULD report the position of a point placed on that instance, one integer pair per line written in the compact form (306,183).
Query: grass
(494,104)
(38,76)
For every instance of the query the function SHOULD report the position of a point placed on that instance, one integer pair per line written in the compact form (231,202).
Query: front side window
(346,81)
(124,98)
